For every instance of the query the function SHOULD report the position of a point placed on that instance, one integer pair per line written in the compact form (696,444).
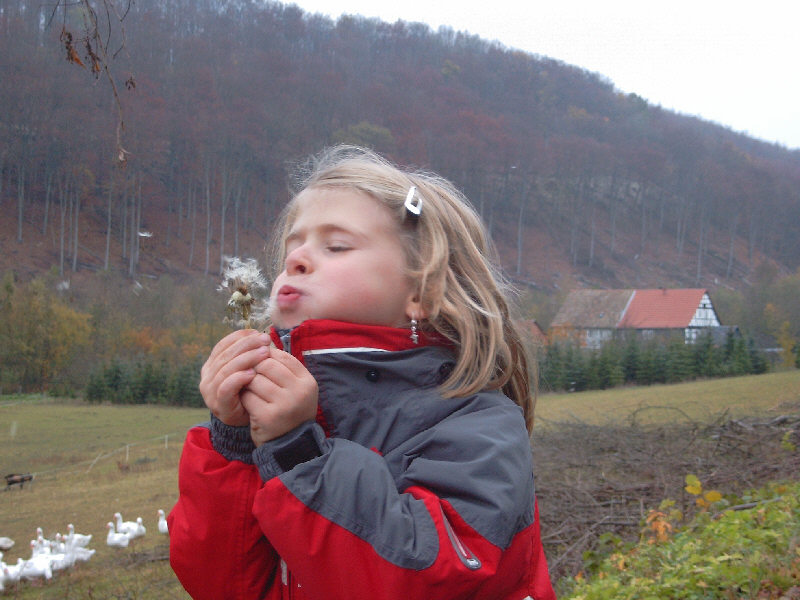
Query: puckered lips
(287,297)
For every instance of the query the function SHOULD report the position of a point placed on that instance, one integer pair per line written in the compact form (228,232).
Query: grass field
(701,401)
(91,461)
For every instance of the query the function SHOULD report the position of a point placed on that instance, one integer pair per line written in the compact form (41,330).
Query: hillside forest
(127,178)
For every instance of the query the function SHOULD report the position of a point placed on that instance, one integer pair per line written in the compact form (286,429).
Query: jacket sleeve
(217,549)
(459,522)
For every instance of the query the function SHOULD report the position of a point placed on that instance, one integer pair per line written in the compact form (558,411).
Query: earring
(414,334)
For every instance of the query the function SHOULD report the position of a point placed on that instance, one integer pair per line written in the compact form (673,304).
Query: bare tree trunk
(48,191)
(71,208)
(75,228)
(225,196)
(237,200)
(123,219)
(136,224)
(643,231)
(63,191)
(178,228)
(139,204)
(573,206)
(752,236)
(246,218)
(20,199)
(208,216)
(684,213)
(701,243)
(108,223)
(731,247)
(613,217)
(591,237)
(520,230)
(193,211)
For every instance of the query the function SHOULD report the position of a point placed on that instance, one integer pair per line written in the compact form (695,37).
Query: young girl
(375,443)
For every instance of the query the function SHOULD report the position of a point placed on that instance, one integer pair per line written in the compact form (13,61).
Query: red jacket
(395,493)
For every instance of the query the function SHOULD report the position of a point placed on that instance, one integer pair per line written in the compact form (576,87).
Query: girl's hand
(229,368)
(281,396)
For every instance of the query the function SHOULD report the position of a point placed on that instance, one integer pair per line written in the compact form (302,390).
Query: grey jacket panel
(472,452)
(351,486)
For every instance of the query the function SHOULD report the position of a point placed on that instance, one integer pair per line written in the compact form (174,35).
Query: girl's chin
(283,322)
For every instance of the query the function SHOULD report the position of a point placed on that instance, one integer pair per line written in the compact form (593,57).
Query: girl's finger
(239,345)
(245,361)
(264,388)
(289,362)
(230,339)
(275,371)
(231,385)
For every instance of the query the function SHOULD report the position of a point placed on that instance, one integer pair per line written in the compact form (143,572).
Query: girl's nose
(298,262)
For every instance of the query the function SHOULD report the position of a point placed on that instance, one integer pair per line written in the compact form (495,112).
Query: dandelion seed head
(247,287)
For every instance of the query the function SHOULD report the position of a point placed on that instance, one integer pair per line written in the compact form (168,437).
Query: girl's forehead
(333,200)
(342,205)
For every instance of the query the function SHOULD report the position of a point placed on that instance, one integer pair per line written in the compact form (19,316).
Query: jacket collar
(325,334)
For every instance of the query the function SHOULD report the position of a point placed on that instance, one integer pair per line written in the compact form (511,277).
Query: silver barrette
(413,201)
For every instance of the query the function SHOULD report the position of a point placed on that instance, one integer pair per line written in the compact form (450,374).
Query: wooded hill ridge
(581,185)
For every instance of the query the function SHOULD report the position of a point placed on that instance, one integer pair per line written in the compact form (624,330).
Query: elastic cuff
(233,442)
(303,443)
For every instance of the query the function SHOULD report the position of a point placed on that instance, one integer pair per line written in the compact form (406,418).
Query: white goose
(38,566)
(162,522)
(12,572)
(61,560)
(127,527)
(40,545)
(59,545)
(82,554)
(77,540)
(139,530)
(116,539)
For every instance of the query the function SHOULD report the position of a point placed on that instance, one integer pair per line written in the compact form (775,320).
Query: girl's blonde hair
(450,257)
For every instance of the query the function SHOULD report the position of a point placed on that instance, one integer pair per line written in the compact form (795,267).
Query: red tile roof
(661,308)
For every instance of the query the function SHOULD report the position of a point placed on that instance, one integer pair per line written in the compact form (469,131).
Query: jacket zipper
(467,557)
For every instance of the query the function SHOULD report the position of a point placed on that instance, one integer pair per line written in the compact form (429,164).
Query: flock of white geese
(64,551)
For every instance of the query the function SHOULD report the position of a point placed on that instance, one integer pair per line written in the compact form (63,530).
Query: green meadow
(91,461)
(699,401)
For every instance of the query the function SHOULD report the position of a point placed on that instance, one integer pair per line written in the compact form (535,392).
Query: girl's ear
(414,309)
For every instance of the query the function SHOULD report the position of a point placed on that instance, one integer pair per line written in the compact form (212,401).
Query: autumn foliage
(569,173)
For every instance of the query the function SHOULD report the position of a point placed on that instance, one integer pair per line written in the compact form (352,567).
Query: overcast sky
(733,63)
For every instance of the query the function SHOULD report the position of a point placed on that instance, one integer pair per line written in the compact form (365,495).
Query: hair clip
(413,201)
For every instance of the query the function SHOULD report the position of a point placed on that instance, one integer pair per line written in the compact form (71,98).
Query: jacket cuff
(232,442)
(303,443)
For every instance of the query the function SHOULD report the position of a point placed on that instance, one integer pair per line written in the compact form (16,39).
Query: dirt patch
(604,479)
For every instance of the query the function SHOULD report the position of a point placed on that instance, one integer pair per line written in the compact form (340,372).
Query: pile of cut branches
(593,480)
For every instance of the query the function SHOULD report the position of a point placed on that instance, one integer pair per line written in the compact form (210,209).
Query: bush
(749,552)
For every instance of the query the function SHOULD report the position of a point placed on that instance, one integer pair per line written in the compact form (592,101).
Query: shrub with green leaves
(750,550)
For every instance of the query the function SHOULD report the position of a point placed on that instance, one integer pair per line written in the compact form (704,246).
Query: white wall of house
(705,315)
(595,338)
